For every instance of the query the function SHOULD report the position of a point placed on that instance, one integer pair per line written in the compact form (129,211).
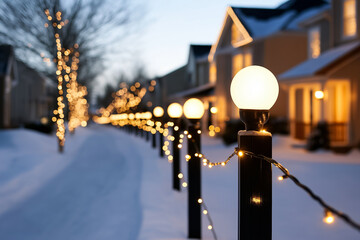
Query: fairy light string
(184,184)
(127,98)
(152,127)
(327,208)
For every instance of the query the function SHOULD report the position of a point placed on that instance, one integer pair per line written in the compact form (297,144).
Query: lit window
(212,72)
(237,63)
(314,42)
(349,14)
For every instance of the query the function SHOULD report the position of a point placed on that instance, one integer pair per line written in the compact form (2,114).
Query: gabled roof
(315,66)
(200,50)
(256,23)
(260,22)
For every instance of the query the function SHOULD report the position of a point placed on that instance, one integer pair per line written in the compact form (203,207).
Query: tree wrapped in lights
(78,106)
(75,93)
(60,66)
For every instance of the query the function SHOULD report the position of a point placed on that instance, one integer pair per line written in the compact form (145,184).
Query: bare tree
(94,25)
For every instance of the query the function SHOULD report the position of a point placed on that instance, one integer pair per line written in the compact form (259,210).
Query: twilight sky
(169,28)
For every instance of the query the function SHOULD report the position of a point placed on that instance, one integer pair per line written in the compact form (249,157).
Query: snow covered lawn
(112,185)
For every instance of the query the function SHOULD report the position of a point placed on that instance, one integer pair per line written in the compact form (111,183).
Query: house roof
(261,22)
(5,53)
(200,50)
(256,23)
(314,66)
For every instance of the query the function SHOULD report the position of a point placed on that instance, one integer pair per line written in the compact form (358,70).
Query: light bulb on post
(175,110)
(158,112)
(148,115)
(254,90)
(194,108)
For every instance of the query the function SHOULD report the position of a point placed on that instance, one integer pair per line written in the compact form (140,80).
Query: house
(171,84)
(259,36)
(25,95)
(33,97)
(7,79)
(197,82)
(326,87)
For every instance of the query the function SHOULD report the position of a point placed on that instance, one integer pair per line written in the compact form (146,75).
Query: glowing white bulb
(175,110)
(194,109)
(254,87)
(158,111)
(319,94)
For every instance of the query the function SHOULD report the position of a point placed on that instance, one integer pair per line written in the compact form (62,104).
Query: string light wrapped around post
(194,110)
(175,112)
(158,114)
(254,91)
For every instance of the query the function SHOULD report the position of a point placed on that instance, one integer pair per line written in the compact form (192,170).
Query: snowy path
(110,185)
(91,198)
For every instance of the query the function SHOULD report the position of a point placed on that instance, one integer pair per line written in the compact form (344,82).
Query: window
(241,60)
(314,42)
(212,72)
(349,18)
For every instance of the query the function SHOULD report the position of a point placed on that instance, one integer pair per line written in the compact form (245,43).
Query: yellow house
(258,36)
(326,87)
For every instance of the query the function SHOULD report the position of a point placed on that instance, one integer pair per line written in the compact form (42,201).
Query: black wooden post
(147,135)
(255,187)
(154,135)
(194,181)
(176,154)
(161,138)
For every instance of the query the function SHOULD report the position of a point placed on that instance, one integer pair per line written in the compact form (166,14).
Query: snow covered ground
(111,185)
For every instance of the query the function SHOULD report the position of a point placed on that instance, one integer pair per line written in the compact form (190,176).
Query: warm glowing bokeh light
(213,110)
(175,110)
(319,94)
(158,111)
(194,108)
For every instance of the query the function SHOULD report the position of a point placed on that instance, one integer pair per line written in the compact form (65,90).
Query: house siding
(281,52)
(222,88)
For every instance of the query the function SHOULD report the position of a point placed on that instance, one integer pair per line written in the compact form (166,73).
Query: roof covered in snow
(313,66)
(261,22)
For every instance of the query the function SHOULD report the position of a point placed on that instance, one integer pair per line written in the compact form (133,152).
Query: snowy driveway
(91,198)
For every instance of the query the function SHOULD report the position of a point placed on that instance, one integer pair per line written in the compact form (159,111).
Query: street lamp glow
(255,88)
(213,110)
(193,108)
(319,94)
(175,110)
(158,111)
